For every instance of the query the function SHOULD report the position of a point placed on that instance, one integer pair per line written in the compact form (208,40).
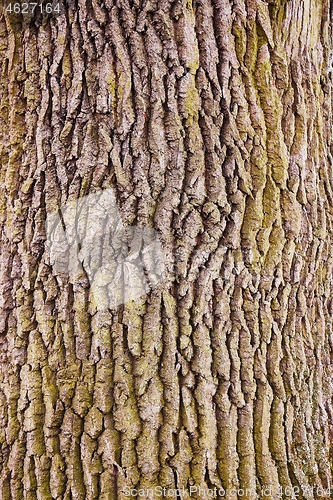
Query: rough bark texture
(211,120)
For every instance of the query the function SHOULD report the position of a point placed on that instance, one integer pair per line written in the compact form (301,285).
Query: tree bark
(211,121)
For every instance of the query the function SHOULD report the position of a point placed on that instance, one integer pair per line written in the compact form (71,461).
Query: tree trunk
(211,122)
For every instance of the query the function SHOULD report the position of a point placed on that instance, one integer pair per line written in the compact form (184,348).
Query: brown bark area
(211,120)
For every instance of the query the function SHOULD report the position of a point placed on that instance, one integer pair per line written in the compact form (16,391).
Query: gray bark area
(211,120)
